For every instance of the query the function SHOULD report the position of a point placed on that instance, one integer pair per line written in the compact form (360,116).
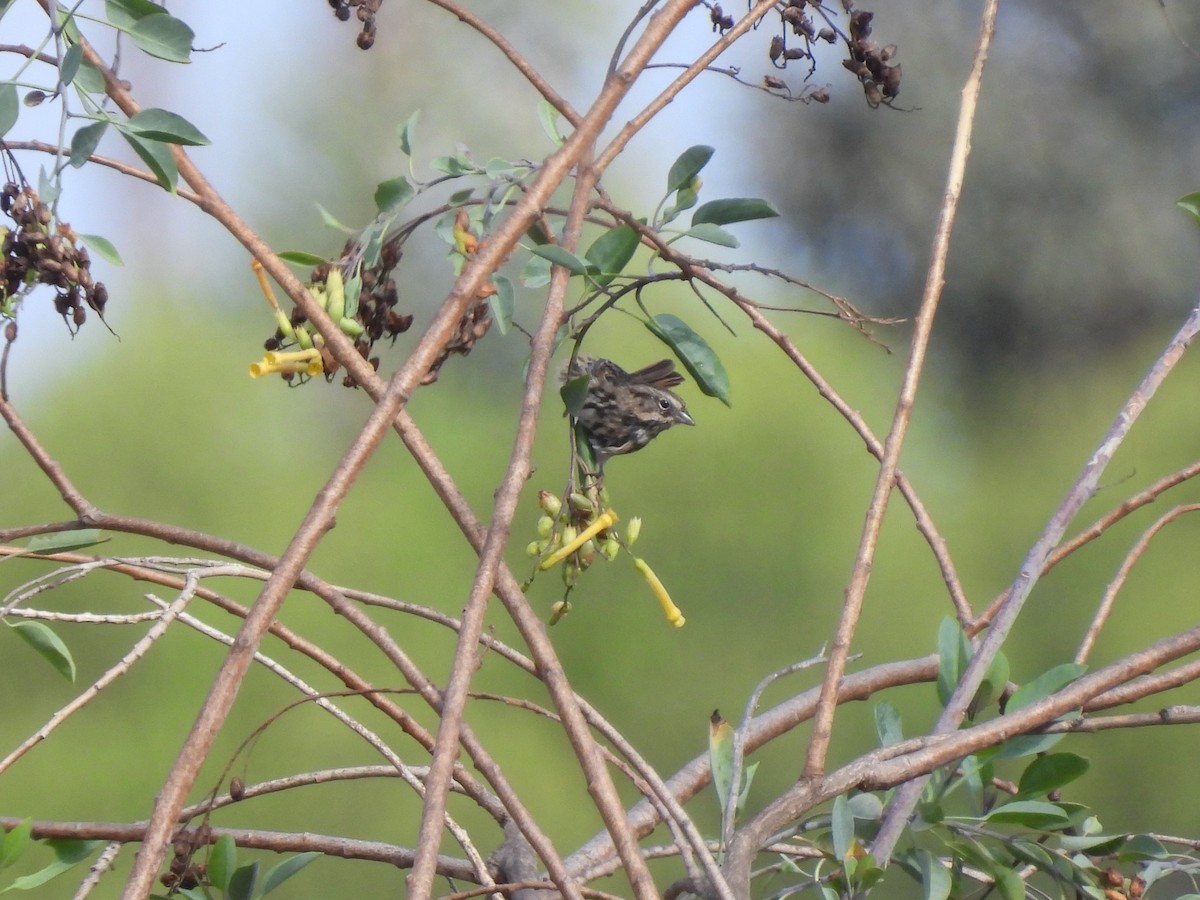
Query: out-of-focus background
(1070,267)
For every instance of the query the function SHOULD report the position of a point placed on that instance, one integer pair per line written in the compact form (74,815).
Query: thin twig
(1110,592)
(1033,565)
(818,746)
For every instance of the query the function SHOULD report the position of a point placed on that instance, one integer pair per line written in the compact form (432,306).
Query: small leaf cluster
(150,132)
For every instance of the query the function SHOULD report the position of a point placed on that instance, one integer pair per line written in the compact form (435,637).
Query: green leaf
(125,14)
(241,885)
(935,877)
(65,540)
(104,248)
(89,80)
(455,165)
(1191,204)
(1050,772)
(887,724)
(163,36)
(842,828)
(1044,685)
(688,166)
(163,125)
(734,209)
(720,756)
(70,64)
(67,854)
(977,776)
(712,234)
(85,140)
(1029,814)
(157,157)
(331,221)
(695,354)
(393,193)
(48,645)
(1022,746)
(574,392)
(405,131)
(612,251)
(995,680)
(10,107)
(954,652)
(548,118)
(1009,884)
(15,842)
(565,258)
(221,861)
(502,303)
(1141,847)
(535,273)
(866,807)
(302,258)
(48,188)
(286,869)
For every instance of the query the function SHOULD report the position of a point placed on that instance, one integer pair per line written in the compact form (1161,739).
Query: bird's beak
(683,418)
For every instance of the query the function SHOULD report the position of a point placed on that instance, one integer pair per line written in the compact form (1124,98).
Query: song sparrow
(623,411)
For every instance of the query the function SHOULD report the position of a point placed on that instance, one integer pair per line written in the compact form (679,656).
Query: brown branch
(839,649)
(1118,581)
(1097,528)
(519,62)
(908,762)
(1034,563)
(697,270)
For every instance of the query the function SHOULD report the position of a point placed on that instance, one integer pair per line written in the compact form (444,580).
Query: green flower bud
(581,503)
(610,548)
(549,503)
(633,530)
(545,526)
(534,549)
(558,610)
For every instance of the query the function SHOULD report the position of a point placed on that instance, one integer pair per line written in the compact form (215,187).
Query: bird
(623,411)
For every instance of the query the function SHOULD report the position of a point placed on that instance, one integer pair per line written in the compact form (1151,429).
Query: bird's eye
(664,404)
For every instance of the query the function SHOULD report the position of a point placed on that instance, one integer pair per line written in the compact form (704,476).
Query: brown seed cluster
(875,66)
(471,327)
(804,24)
(30,254)
(183,873)
(376,310)
(364,11)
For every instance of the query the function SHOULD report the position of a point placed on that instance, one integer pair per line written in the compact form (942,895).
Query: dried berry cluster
(365,11)
(471,327)
(875,66)
(376,310)
(30,255)
(183,873)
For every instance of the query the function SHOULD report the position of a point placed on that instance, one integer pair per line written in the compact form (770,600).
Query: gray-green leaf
(695,354)
(85,140)
(713,234)
(688,166)
(163,36)
(10,107)
(155,124)
(48,645)
(733,209)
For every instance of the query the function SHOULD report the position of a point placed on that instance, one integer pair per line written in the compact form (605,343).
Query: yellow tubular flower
(307,362)
(670,610)
(606,519)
